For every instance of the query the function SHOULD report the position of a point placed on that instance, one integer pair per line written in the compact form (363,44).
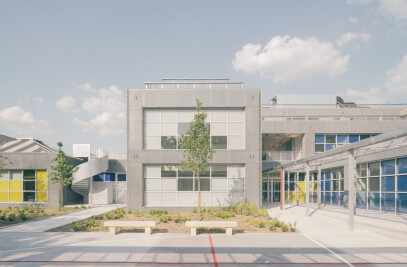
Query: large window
(170,185)
(382,185)
(23,186)
(325,142)
(164,127)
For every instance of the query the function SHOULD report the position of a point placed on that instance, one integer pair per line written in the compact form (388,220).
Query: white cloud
(394,8)
(107,110)
(353,20)
(349,36)
(67,104)
(286,59)
(86,87)
(39,100)
(396,83)
(373,96)
(22,122)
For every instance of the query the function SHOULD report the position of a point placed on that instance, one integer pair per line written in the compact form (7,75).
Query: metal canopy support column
(288,187)
(297,187)
(319,187)
(307,190)
(351,196)
(282,189)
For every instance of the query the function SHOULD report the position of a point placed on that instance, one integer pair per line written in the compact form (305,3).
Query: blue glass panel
(341,198)
(328,175)
(110,177)
(388,183)
(322,186)
(402,165)
(388,167)
(319,138)
(343,138)
(292,187)
(353,138)
(329,147)
(99,177)
(327,199)
(121,177)
(335,198)
(402,203)
(388,201)
(402,183)
(361,200)
(374,201)
(327,185)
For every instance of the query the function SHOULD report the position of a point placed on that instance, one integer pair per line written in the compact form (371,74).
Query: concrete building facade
(160,112)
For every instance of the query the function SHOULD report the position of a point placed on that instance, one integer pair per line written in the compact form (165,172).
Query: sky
(65,66)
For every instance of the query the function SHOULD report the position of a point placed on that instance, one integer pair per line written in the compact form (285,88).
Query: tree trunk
(61,198)
(199,197)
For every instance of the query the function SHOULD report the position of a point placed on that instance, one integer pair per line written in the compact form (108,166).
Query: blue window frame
(110,177)
(388,184)
(388,167)
(388,201)
(374,201)
(329,147)
(402,203)
(402,183)
(402,165)
(353,138)
(99,178)
(361,200)
(343,138)
(319,138)
(121,177)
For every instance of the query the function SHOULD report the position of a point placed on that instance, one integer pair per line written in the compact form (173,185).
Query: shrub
(165,218)
(194,210)
(2,216)
(23,216)
(261,224)
(157,212)
(272,227)
(274,223)
(76,226)
(11,217)
(177,219)
(109,216)
(293,227)
(225,214)
(284,227)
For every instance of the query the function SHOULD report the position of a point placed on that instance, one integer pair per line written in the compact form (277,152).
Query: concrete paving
(57,221)
(321,240)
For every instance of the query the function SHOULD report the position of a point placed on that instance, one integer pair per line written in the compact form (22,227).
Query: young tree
(62,172)
(198,150)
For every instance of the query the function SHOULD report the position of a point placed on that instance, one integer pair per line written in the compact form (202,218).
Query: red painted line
(213,251)
(205,263)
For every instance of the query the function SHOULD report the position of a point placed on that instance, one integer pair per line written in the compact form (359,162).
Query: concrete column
(297,187)
(352,191)
(319,187)
(307,190)
(90,191)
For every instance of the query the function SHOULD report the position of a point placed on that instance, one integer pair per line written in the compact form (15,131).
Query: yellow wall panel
(301,186)
(16,196)
(41,185)
(293,197)
(301,197)
(16,186)
(42,175)
(3,196)
(3,185)
(41,196)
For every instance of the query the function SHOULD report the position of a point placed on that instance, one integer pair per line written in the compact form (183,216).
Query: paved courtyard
(333,245)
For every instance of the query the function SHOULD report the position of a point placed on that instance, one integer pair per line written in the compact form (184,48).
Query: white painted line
(333,253)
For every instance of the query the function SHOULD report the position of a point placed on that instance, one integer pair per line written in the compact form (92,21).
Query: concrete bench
(207,224)
(114,225)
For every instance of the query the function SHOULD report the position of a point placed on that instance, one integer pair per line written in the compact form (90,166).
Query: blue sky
(65,65)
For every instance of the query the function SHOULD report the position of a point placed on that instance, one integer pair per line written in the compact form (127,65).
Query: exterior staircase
(96,164)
